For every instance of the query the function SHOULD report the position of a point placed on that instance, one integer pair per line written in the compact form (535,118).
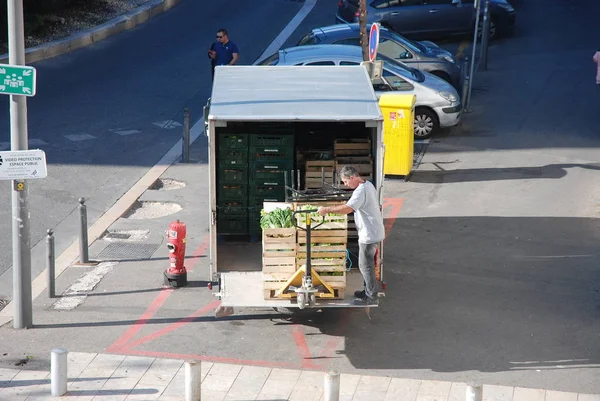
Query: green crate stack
(232,183)
(270,157)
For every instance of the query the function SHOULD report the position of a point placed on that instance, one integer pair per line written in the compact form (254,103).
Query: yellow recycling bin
(398,132)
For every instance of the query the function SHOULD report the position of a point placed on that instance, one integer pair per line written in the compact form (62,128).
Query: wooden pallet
(315,170)
(352,147)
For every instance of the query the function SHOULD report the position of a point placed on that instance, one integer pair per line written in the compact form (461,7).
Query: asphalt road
(492,265)
(124,84)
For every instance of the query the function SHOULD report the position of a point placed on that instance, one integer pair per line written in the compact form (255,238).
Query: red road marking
(303,351)
(162,296)
(200,251)
(174,326)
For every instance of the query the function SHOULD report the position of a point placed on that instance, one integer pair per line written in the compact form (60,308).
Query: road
(491,265)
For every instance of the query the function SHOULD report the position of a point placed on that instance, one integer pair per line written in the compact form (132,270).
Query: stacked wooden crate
(356,153)
(316,171)
(328,249)
(278,257)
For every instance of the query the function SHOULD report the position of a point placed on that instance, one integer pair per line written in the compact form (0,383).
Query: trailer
(277,136)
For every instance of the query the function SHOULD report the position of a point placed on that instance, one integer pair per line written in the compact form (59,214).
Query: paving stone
(528,394)
(434,390)
(560,396)
(497,393)
(403,390)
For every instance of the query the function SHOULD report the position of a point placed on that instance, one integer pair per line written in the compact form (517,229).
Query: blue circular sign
(373,41)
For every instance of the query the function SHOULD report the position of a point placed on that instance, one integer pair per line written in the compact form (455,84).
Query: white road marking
(288,30)
(79,290)
(80,137)
(127,132)
(169,124)
(542,257)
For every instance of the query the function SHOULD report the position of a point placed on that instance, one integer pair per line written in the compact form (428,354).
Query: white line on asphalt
(80,137)
(169,124)
(36,142)
(127,132)
(79,290)
(288,30)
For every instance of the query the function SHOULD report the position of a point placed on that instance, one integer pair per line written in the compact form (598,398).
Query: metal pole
(332,386)
(58,372)
(50,261)
(466,79)
(185,145)
(83,236)
(474,393)
(20,214)
(485,35)
(477,6)
(193,380)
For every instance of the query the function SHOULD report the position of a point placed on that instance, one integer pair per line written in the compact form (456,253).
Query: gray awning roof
(318,93)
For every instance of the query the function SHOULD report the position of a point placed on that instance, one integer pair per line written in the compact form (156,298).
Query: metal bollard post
(466,82)
(58,372)
(50,261)
(185,145)
(332,386)
(83,237)
(485,35)
(193,380)
(474,393)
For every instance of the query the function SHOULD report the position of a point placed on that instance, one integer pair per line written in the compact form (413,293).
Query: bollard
(193,380)
(50,263)
(485,34)
(83,237)
(58,372)
(466,82)
(185,145)
(332,386)
(474,393)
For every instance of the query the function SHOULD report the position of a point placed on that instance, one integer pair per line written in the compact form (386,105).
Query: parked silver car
(438,104)
(425,55)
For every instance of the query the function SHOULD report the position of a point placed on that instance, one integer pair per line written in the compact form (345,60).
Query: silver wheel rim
(423,125)
(492,30)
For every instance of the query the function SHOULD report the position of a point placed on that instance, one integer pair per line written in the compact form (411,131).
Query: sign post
(18,82)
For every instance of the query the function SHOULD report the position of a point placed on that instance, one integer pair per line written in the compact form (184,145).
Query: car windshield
(271,60)
(401,68)
(415,46)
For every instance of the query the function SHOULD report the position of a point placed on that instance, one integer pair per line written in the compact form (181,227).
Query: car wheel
(426,123)
(493,30)
(443,75)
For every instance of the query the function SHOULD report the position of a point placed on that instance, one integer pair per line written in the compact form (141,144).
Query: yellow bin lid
(397,100)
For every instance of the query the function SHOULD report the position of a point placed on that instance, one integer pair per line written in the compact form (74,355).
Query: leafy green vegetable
(278,218)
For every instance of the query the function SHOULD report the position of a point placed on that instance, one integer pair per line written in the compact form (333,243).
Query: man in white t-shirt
(369,224)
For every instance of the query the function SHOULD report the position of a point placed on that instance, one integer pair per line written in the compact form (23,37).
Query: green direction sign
(17,80)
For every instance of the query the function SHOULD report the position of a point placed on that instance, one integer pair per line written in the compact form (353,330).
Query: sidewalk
(118,377)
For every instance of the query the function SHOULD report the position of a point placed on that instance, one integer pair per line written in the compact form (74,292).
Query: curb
(96,34)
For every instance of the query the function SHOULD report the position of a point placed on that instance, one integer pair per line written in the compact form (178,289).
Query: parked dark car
(430,18)
(426,56)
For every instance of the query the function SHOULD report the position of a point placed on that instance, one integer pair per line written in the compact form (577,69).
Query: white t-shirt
(367,215)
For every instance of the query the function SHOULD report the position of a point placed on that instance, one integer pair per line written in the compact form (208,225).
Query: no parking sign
(373,41)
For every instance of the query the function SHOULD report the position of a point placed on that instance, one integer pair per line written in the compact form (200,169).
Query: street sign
(17,80)
(373,41)
(23,165)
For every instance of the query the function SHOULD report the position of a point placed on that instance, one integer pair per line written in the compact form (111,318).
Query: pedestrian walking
(596,59)
(223,51)
(364,204)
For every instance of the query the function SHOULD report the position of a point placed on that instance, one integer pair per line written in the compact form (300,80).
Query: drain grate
(3,303)
(123,251)
(117,236)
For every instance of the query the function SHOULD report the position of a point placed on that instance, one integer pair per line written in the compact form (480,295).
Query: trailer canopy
(302,93)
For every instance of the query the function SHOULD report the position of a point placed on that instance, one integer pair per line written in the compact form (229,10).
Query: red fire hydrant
(176,274)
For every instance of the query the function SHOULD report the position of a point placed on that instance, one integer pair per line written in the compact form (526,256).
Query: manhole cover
(127,235)
(117,236)
(124,251)
(167,184)
(151,210)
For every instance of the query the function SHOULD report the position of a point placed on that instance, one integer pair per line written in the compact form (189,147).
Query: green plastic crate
(232,224)
(271,140)
(235,157)
(271,165)
(233,141)
(233,176)
(271,153)
(237,208)
(271,193)
(232,192)
(268,177)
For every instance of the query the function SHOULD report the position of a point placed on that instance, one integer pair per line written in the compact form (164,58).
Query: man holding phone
(223,51)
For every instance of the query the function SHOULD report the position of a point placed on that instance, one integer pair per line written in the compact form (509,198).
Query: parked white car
(438,104)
